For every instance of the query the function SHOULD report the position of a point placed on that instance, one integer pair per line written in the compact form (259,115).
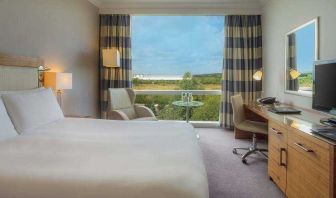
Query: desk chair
(247,125)
(122,106)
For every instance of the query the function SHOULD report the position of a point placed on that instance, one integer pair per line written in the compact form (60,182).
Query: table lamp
(111,57)
(58,82)
(258,77)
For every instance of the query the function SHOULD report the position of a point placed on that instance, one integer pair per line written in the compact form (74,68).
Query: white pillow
(7,129)
(29,110)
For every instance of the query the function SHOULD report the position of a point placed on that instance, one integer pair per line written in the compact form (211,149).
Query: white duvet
(87,158)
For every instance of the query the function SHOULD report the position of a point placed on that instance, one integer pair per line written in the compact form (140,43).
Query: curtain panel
(115,31)
(292,84)
(242,58)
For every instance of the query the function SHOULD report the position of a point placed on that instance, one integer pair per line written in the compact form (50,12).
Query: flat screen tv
(324,86)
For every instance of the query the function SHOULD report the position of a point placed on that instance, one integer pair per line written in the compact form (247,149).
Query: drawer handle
(303,148)
(281,160)
(276,131)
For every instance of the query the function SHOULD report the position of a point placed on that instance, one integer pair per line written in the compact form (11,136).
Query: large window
(167,48)
(178,53)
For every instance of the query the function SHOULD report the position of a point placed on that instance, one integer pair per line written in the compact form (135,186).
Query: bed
(90,158)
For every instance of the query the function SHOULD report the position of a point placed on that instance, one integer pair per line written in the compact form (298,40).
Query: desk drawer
(277,131)
(313,149)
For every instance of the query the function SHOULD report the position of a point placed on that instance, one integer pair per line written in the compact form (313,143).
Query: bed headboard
(18,72)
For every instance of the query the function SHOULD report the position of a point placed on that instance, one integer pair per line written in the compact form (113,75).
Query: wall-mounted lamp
(258,75)
(58,82)
(111,57)
(294,74)
(41,70)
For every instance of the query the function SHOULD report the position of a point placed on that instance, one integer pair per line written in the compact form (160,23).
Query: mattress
(88,158)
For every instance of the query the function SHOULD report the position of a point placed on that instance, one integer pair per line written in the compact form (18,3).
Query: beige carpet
(227,175)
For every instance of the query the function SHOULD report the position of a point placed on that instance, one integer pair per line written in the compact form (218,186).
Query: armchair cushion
(120,100)
(117,115)
(143,111)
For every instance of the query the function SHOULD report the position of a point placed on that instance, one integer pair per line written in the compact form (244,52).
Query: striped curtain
(115,32)
(242,58)
(292,84)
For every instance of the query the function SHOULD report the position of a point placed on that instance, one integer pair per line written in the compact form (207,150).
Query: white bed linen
(86,158)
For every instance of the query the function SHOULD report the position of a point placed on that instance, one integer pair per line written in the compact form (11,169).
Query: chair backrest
(122,99)
(238,109)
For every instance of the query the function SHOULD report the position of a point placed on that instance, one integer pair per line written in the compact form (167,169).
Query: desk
(300,163)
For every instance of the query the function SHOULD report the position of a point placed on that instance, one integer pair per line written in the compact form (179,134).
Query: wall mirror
(301,52)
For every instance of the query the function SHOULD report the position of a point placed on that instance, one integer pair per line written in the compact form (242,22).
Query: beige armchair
(122,107)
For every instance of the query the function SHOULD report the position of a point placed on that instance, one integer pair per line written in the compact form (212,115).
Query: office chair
(247,125)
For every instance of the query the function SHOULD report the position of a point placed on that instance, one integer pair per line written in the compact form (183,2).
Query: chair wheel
(244,161)
(234,151)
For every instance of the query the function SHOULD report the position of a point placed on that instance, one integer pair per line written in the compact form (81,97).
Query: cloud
(176,44)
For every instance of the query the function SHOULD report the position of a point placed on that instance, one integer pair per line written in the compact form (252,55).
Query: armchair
(122,107)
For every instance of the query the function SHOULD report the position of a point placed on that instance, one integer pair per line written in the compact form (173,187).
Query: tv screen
(324,92)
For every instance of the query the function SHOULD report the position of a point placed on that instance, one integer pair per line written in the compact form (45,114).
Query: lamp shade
(258,75)
(111,57)
(294,74)
(58,81)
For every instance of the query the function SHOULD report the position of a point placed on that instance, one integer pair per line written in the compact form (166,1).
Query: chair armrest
(143,111)
(117,115)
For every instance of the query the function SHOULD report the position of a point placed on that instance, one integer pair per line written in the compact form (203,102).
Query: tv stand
(329,121)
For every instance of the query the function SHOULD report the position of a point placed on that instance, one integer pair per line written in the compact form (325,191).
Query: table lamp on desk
(58,82)
(258,77)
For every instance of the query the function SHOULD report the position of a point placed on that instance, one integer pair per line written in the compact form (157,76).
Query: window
(167,48)
(177,53)
(306,56)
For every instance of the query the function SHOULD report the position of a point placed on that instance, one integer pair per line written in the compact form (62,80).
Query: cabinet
(300,165)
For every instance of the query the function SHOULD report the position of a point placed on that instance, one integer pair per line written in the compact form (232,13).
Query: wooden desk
(300,163)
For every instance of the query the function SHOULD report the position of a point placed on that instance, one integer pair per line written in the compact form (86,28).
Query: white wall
(62,32)
(280,17)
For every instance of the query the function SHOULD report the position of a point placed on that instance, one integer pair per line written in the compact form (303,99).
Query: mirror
(301,52)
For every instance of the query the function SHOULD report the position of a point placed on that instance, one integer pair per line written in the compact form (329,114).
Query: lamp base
(59,97)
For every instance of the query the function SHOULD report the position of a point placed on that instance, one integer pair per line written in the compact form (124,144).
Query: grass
(306,80)
(171,86)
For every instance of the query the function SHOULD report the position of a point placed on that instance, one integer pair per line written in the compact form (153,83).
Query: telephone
(267,100)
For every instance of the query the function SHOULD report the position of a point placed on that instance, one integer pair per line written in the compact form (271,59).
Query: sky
(305,48)
(173,45)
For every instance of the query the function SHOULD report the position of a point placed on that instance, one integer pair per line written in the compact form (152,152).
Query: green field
(306,81)
(162,104)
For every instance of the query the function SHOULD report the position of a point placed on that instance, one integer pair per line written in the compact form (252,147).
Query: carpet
(227,175)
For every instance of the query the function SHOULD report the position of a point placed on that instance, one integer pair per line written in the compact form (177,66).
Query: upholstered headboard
(19,73)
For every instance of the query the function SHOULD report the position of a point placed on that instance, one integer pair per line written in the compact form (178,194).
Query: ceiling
(133,6)
(179,1)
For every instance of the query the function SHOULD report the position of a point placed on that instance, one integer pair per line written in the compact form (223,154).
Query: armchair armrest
(117,115)
(143,111)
